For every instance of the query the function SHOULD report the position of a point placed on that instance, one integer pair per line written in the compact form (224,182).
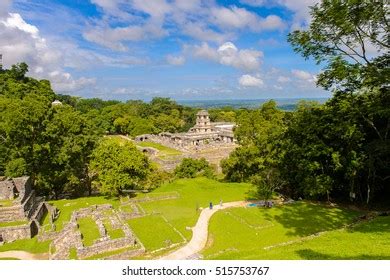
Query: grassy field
(13,223)
(147,227)
(164,150)
(6,202)
(368,240)
(198,192)
(288,232)
(89,230)
(113,233)
(28,245)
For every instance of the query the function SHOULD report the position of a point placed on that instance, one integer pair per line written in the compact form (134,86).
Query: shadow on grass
(305,218)
(309,254)
(378,224)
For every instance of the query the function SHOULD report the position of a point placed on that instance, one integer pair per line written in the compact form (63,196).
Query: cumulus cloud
(303,75)
(283,79)
(4,7)
(300,8)
(21,41)
(175,60)
(238,18)
(64,82)
(113,37)
(250,81)
(201,20)
(228,54)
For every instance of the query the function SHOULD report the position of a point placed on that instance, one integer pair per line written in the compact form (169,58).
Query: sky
(182,49)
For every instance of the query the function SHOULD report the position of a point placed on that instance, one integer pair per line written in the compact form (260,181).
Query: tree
(119,166)
(191,168)
(69,139)
(259,134)
(267,183)
(342,148)
(343,35)
(50,144)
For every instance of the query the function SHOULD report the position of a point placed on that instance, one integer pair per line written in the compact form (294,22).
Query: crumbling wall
(12,213)
(10,234)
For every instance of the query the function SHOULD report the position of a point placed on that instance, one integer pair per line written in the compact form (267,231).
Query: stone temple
(204,133)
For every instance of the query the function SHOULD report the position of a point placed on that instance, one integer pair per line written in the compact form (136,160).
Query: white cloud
(63,82)
(250,81)
(283,79)
(20,41)
(245,59)
(300,8)
(175,60)
(228,54)
(255,3)
(113,37)
(239,18)
(201,32)
(202,20)
(303,75)
(4,7)
(203,51)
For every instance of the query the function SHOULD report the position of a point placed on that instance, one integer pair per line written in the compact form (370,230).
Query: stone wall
(40,212)
(126,255)
(12,213)
(10,234)
(7,189)
(68,238)
(105,246)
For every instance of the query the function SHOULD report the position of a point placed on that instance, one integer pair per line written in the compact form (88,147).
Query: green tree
(267,183)
(191,168)
(259,134)
(119,166)
(69,139)
(342,148)
(341,34)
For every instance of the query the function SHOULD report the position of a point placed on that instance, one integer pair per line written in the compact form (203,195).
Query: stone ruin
(204,134)
(213,141)
(19,203)
(71,238)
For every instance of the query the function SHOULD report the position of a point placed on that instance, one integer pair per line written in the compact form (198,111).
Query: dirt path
(23,255)
(200,233)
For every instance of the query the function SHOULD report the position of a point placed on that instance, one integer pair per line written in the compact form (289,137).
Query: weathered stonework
(25,206)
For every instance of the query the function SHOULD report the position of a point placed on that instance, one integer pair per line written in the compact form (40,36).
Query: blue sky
(184,49)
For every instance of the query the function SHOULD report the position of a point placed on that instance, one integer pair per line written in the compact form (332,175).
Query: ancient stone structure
(18,203)
(70,237)
(205,133)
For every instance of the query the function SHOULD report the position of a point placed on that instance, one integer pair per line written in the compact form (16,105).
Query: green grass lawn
(181,212)
(28,245)
(13,223)
(113,233)
(6,202)
(154,232)
(89,230)
(245,233)
(164,150)
(365,241)
(67,206)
